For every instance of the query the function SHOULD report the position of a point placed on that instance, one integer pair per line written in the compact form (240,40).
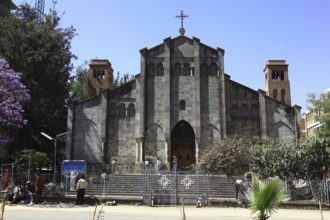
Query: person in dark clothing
(30,189)
(39,188)
(240,186)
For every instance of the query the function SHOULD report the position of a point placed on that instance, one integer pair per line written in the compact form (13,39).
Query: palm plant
(266,197)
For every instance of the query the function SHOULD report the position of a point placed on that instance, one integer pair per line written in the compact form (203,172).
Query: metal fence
(168,187)
(172,187)
(308,190)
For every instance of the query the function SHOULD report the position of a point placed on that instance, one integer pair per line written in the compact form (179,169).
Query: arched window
(113,110)
(182,104)
(94,75)
(186,69)
(102,74)
(213,69)
(160,69)
(282,75)
(121,110)
(204,69)
(99,74)
(283,95)
(277,75)
(131,110)
(150,69)
(273,75)
(177,69)
(275,94)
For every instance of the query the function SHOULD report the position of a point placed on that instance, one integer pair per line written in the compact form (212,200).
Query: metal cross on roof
(182,16)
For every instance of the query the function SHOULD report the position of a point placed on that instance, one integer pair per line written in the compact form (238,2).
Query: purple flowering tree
(12,96)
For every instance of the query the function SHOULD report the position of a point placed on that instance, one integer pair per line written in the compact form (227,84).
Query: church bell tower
(100,77)
(277,84)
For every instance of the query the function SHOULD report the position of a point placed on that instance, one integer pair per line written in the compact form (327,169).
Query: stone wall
(86,143)
(242,108)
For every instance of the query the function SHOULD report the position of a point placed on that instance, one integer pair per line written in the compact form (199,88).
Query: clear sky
(250,32)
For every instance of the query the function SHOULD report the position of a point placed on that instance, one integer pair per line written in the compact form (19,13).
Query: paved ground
(125,212)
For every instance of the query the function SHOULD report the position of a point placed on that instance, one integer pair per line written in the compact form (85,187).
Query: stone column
(141,149)
(197,92)
(167,88)
(104,127)
(137,150)
(297,121)
(166,152)
(197,143)
(140,97)
(222,92)
(262,114)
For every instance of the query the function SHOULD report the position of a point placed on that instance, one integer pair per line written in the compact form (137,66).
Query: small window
(275,94)
(214,69)
(182,104)
(131,110)
(273,75)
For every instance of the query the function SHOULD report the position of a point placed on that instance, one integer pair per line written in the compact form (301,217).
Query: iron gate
(171,188)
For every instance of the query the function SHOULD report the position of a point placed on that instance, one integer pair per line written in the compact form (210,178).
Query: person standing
(175,164)
(82,184)
(159,164)
(39,188)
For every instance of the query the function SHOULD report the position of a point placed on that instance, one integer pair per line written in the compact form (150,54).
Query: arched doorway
(183,144)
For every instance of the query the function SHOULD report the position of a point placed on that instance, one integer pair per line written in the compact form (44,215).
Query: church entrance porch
(183,145)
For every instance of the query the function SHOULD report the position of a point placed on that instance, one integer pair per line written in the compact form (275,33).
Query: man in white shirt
(82,184)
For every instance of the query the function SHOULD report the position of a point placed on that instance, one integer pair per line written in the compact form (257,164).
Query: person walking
(82,184)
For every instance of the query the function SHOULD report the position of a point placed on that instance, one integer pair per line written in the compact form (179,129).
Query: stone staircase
(130,187)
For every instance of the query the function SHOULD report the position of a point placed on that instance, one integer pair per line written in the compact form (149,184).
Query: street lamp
(55,145)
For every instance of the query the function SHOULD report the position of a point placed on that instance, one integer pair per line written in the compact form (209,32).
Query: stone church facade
(180,102)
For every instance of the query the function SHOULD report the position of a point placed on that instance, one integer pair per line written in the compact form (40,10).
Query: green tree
(30,161)
(41,52)
(321,107)
(313,159)
(80,84)
(305,160)
(223,156)
(269,156)
(121,80)
(266,197)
